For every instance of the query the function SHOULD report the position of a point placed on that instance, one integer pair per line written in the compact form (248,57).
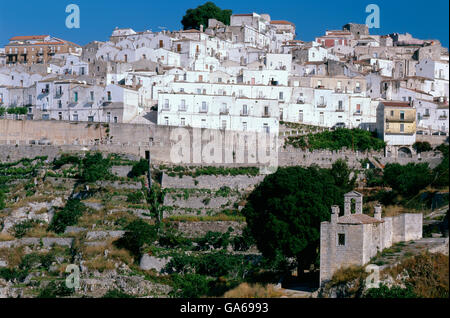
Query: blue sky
(423,19)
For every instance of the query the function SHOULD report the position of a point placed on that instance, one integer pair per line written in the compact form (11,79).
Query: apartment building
(37,49)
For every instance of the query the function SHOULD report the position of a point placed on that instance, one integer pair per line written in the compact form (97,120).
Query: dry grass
(394,210)
(40,231)
(6,237)
(97,259)
(428,274)
(245,290)
(12,255)
(346,274)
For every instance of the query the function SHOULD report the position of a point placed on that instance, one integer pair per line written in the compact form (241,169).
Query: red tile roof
(358,219)
(28,37)
(396,104)
(281,22)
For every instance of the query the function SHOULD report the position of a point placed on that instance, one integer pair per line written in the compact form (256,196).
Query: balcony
(224,112)
(166,108)
(244,114)
(300,101)
(357,90)
(357,113)
(443,117)
(58,95)
(182,108)
(266,115)
(321,105)
(340,110)
(203,110)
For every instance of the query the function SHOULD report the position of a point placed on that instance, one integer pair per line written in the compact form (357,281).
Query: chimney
(378,212)
(334,214)
(201,28)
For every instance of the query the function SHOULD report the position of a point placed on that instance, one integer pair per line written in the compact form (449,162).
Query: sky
(423,19)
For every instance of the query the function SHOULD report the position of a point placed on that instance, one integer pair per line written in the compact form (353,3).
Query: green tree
(441,178)
(420,146)
(200,15)
(408,179)
(285,211)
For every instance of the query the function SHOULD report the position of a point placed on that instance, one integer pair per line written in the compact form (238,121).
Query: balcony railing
(265,115)
(224,112)
(357,113)
(321,105)
(340,110)
(182,108)
(203,110)
(59,94)
(442,117)
(357,90)
(166,107)
(244,113)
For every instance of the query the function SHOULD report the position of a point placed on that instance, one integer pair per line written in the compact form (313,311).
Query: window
(266,111)
(115,120)
(224,124)
(300,116)
(244,126)
(203,123)
(92,96)
(392,113)
(204,107)
(340,105)
(244,110)
(76,97)
(90,118)
(219,79)
(266,128)
(281,96)
(166,104)
(161,43)
(183,104)
(183,121)
(358,108)
(75,117)
(402,115)
(108,117)
(402,127)
(109,96)
(341,239)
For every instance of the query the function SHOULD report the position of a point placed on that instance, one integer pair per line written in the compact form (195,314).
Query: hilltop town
(142,161)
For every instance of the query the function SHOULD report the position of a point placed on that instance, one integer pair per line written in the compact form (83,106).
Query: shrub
(394,292)
(65,159)
(357,139)
(94,168)
(11,274)
(214,239)
(137,234)
(21,229)
(68,216)
(2,200)
(115,293)
(17,110)
(55,289)
(190,286)
(135,197)
(139,169)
